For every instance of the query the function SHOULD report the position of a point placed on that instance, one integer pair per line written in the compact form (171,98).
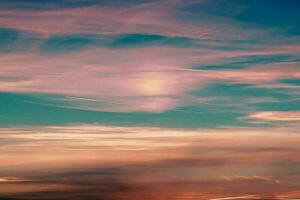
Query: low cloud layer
(106,162)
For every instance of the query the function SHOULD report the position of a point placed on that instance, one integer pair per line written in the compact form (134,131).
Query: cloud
(11,180)
(92,161)
(151,17)
(135,79)
(237,197)
(250,178)
(129,57)
(275,116)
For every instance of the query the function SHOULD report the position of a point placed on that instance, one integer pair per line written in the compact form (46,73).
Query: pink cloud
(152,18)
(151,79)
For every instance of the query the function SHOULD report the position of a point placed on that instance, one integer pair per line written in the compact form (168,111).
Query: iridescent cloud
(149,74)
(129,58)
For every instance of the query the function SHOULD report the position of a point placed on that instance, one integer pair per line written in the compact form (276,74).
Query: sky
(149,99)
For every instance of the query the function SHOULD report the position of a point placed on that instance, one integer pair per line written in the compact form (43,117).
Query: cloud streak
(145,161)
(153,17)
(276,116)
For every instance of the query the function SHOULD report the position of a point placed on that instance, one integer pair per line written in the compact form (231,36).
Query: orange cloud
(199,163)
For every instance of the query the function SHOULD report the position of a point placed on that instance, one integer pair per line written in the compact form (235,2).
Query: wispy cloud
(152,17)
(249,178)
(129,57)
(276,116)
(138,79)
(11,180)
(237,197)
